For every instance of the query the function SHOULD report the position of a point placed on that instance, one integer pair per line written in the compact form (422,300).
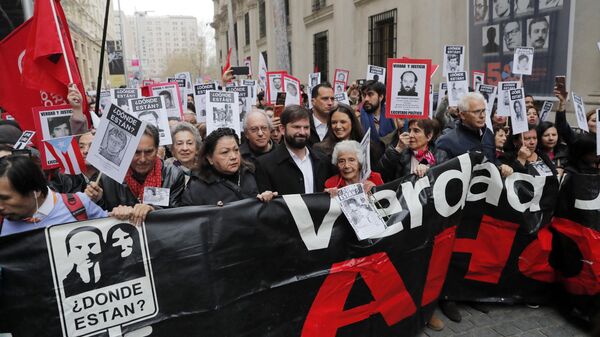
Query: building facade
(350,34)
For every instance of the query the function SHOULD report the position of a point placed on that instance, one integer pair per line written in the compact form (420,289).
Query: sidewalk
(508,320)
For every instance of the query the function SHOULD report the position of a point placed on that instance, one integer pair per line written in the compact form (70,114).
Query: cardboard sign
(408,88)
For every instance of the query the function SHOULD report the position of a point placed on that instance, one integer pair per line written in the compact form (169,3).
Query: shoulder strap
(75,206)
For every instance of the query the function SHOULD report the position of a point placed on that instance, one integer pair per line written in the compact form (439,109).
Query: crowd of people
(296,151)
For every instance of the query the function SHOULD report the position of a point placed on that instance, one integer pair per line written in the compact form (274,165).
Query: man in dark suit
(293,168)
(323,102)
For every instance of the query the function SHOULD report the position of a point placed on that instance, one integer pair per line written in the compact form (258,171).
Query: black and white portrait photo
(523,7)
(523,61)
(511,36)
(84,247)
(480,10)
(501,9)
(408,84)
(361,215)
(491,39)
(114,143)
(538,29)
(51,122)
(156,196)
(550,4)
(59,126)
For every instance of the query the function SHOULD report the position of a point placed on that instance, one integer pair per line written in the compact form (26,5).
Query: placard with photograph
(458,86)
(183,84)
(152,110)
(121,96)
(252,89)
(359,211)
(115,143)
(188,78)
(454,59)
(490,35)
(200,99)
(274,85)
(478,78)
(222,111)
(242,99)
(51,122)
(365,147)
(172,96)
(442,92)
(503,108)
(339,87)
(518,112)
(105,102)
(408,88)
(489,93)
(156,196)
(523,61)
(580,113)
(545,111)
(376,73)
(341,75)
(292,90)
(314,79)
(341,98)
(24,140)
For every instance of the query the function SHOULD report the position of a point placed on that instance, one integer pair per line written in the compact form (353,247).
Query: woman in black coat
(223,176)
(523,155)
(414,152)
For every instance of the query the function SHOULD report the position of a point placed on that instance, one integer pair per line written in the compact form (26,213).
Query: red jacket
(338,181)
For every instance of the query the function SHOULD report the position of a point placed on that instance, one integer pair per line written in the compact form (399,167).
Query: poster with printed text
(408,88)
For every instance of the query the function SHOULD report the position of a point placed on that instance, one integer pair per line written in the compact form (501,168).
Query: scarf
(425,154)
(153,179)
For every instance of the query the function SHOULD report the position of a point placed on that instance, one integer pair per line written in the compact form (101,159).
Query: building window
(247,28)
(321,55)
(262,19)
(318,4)
(382,37)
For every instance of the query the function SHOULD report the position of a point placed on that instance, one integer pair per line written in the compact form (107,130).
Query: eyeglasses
(477,112)
(255,129)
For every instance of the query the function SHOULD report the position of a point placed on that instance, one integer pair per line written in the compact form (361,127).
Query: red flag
(14,96)
(228,62)
(67,153)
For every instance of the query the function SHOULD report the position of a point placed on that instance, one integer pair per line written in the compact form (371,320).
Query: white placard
(121,96)
(156,196)
(545,112)
(200,99)
(518,112)
(361,214)
(454,59)
(365,146)
(458,86)
(523,61)
(222,111)
(152,110)
(376,73)
(25,138)
(580,113)
(342,98)
(314,79)
(503,108)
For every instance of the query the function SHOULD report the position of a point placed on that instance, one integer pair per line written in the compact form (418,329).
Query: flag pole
(62,42)
(102,49)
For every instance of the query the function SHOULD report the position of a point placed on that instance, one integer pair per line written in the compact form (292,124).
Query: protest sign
(376,73)
(478,78)
(365,147)
(262,74)
(252,90)
(523,61)
(274,85)
(115,143)
(121,96)
(102,276)
(545,111)
(51,122)
(454,59)
(518,113)
(314,79)
(243,100)
(489,93)
(442,92)
(407,88)
(292,90)
(341,75)
(172,96)
(339,87)
(67,153)
(431,96)
(152,110)
(503,108)
(156,196)
(458,86)
(580,113)
(24,140)
(200,99)
(222,111)
(361,215)
(342,98)
(105,102)
(188,78)
(182,83)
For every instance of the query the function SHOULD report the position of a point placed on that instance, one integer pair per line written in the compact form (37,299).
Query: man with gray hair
(257,131)
(470,134)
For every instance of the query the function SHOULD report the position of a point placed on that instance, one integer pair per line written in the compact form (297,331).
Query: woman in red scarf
(414,152)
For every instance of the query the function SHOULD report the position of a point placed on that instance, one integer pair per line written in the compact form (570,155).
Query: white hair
(464,104)
(347,146)
(256,112)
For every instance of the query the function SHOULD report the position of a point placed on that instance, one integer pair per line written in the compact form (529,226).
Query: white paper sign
(200,99)
(442,92)
(454,59)
(361,214)
(458,86)
(523,61)
(545,112)
(152,110)
(489,93)
(222,111)
(580,113)
(365,146)
(292,90)
(314,79)
(342,98)
(102,275)
(376,73)
(504,97)
(121,96)
(24,140)
(156,196)
(518,113)
(115,143)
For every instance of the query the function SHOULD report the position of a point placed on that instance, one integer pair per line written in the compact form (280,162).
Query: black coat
(210,188)
(278,172)
(67,183)
(250,156)
(116,194)
(394,164)
(510,159)
(462,139)
(313,138)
